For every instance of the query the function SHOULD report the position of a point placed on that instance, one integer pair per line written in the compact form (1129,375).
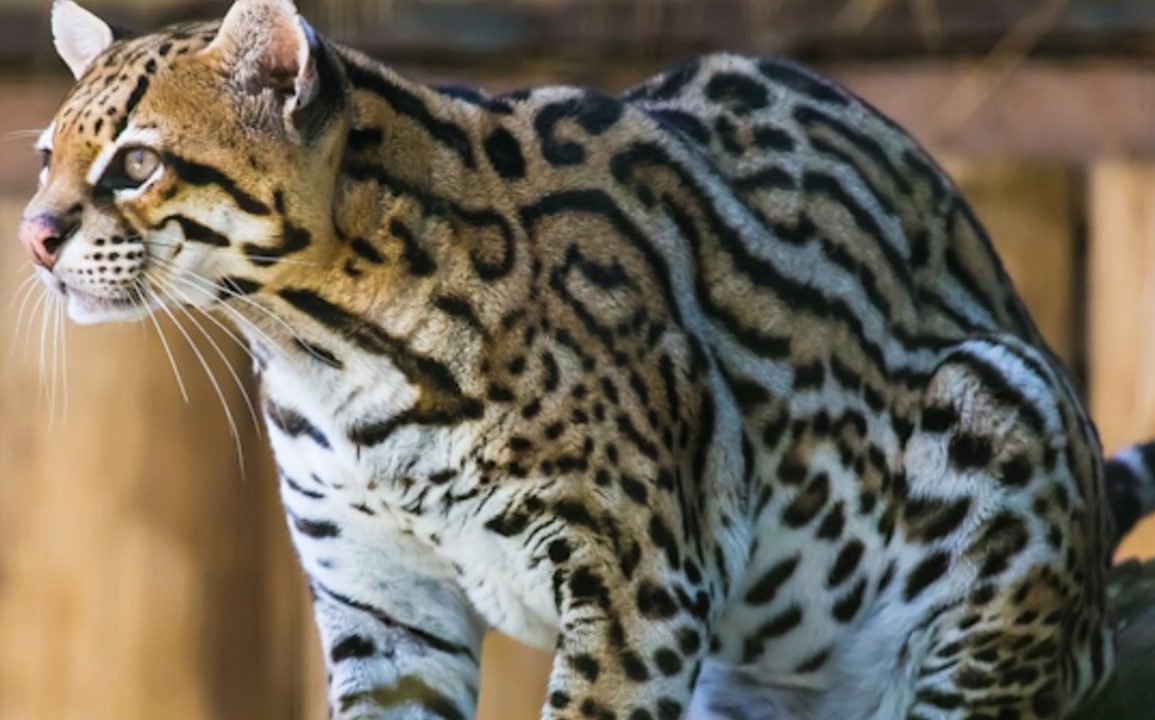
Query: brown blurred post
(1122,312)
(513,680)
(142,575)
(1027,207)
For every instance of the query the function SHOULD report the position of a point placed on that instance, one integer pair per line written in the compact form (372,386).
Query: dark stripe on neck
(373,339)
(368,138)
(810,117)
(487,230)
(366,251)
(406,103)
(441,400)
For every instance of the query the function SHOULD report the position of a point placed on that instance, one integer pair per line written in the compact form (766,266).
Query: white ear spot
(266,42)
(269,46)
(79,35)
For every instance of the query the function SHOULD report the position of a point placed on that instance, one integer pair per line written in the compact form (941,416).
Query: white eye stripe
(100,164)
(129,138)
(44,145)
(44,140)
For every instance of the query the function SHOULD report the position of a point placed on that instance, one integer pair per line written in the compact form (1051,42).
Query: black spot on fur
(801,81)
(317,529)
(925,573)
(939,418)
(655,602)
(846,563)
(683,122)
(740,93)
(970,452)
(352,647)
(586,665)
(504,153)
(767,586)
(1017,471)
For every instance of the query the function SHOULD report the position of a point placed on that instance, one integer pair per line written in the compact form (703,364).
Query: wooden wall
(145,574)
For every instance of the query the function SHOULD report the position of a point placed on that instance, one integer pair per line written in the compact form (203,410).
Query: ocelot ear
(79,35)
(269,46)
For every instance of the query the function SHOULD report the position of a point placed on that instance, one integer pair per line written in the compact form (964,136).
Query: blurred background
(145,571)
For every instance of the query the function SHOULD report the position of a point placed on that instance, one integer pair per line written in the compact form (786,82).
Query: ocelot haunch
(715,387)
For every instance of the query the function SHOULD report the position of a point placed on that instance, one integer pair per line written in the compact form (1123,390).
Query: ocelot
(716,387)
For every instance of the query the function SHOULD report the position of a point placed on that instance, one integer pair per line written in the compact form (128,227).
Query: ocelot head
(184,164)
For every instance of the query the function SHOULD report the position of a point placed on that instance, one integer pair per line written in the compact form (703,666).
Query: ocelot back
(716,387)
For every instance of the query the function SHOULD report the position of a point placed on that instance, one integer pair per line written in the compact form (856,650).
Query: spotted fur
(716,387)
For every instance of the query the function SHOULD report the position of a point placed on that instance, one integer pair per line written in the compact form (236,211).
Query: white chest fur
(366,521)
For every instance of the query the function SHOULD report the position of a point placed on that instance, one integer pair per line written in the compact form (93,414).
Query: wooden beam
(1031,211)
(1067,112)
(1060,112)
(609,32)
(1121,201)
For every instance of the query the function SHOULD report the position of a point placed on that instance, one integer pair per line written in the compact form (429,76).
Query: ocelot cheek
(162,190)
(151,205)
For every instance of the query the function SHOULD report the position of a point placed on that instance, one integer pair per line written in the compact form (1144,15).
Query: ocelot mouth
(86,308)
(125,299)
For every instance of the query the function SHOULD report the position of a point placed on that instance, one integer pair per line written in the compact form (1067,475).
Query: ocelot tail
(715,387)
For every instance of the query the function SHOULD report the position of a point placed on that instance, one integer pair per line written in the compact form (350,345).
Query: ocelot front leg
(382,667)
(399,638)
(633,630)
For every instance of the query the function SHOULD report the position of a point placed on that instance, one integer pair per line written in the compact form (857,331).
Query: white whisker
(208,373)
(22,287)
(164,343)
(208,286)
(27,291)
(236,315)
(44,314)
(58,352)
(64,353)
(22,134)
(54,396)
(278,259)
(30,322)
(240,341)
(181,304)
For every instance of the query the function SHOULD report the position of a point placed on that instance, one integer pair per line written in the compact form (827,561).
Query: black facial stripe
(193,231)
(233,286)
(130,105)
(200,175)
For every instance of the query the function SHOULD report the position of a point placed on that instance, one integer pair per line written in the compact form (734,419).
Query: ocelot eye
(131,167)
(140,164)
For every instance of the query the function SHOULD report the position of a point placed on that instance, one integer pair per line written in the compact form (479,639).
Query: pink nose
(44,235)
